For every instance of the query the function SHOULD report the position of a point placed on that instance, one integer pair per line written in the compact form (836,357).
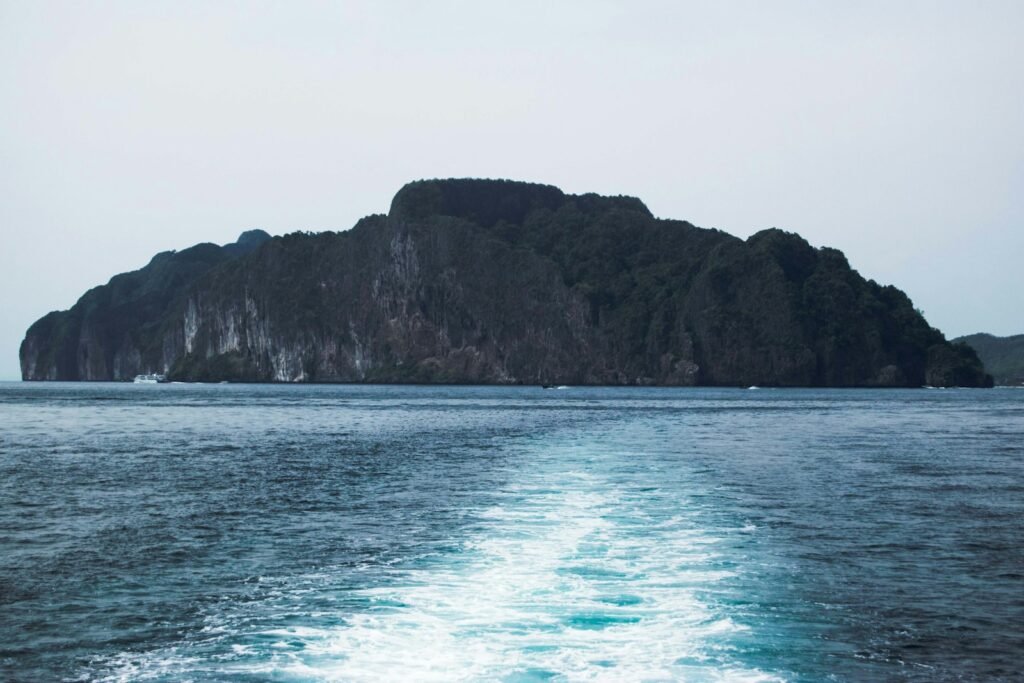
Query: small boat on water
(150,379)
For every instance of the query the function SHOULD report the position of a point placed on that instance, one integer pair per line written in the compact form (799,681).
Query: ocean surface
(366,533)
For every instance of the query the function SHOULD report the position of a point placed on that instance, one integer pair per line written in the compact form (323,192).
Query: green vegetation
(772,311)
(1003,356)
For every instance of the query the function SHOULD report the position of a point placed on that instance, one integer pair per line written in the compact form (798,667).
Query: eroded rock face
(127,326)
(501,282)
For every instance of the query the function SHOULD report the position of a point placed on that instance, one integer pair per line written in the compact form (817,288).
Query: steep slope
(1002,356)
(118,330)
(499,281)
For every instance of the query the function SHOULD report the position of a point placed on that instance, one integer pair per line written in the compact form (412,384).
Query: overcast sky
(891,130)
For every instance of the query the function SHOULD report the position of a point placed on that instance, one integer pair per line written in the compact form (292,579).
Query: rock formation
(480,281)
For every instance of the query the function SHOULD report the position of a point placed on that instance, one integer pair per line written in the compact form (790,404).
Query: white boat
(150,379)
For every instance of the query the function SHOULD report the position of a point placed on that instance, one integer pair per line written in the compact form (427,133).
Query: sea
(233,532)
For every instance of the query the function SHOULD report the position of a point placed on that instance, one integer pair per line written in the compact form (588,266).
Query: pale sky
(891,130)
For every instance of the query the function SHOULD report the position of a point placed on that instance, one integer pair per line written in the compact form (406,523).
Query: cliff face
(495,281)
(119,330)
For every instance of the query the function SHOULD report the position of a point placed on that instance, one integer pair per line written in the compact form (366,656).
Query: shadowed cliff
(500,281)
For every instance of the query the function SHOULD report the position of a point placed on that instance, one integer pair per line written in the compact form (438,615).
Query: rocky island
(493,281)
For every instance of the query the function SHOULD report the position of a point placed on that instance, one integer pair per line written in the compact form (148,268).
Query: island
(505,282)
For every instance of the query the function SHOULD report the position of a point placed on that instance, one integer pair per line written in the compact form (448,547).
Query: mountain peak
(248,241)
(481,201)
(254,236)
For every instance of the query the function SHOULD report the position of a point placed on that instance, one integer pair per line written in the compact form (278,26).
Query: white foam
(586,598)
(567,576)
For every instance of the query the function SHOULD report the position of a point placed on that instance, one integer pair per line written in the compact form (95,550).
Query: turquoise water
(339,533)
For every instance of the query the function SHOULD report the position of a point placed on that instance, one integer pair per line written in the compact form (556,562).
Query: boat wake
(572,576)
(566,583)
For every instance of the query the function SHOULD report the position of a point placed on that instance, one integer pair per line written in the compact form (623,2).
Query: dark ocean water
(293,533)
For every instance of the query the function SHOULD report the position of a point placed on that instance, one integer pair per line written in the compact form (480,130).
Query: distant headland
(1002,356)
(495,281)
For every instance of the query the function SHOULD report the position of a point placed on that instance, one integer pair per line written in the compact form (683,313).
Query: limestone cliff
(503,282)
(119,329)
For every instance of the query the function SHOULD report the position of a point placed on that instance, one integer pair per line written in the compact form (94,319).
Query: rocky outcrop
(502,282)
(121,329)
